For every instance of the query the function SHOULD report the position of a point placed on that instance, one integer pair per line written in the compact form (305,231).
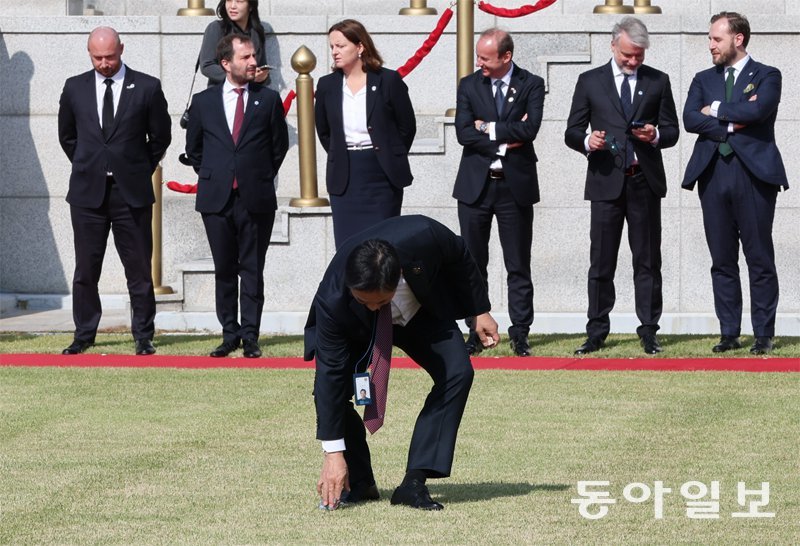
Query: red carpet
(480,363)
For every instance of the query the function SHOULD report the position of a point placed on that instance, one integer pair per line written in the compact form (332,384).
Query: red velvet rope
(427,45)
(518,12)
(287,102)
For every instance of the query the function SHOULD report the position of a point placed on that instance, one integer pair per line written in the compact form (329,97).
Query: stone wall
(38,53)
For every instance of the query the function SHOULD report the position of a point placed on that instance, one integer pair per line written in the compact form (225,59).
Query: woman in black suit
(365,121)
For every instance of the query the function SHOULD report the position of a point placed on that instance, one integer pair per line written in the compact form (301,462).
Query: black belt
(496,174)
(633,170)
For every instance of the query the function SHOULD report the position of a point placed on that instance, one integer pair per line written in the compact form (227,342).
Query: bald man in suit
(114,126)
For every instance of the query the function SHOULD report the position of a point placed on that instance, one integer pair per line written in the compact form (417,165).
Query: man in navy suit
(425,273)
(498,114)
(632,116)
(114,126)
(732,107)
(237,155)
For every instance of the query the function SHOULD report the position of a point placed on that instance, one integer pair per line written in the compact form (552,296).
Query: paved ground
(57,320)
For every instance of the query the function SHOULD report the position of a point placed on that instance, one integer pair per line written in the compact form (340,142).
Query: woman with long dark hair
(235,17)
(366,123)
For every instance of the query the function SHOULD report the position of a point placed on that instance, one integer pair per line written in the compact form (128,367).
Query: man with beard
(732,107)
(236,140)
(632,115)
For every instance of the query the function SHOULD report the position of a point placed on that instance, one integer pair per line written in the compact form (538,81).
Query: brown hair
(355,33)
(737,24)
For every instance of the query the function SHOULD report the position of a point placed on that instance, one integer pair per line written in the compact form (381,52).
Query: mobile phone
(266,67)
(637,125)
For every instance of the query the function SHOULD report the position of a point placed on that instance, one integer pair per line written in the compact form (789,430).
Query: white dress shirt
(354,116)
(497,164)
(229,98)
(737,69)
(116,90)
(404,306)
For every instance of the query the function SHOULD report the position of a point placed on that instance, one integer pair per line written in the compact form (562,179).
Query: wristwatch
(483,126)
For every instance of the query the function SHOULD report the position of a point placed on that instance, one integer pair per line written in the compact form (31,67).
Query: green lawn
(145,456)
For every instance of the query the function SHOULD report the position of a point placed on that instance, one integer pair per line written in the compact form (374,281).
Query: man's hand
(597,141)
(478,123)
(646,133)
(486,328)
(333,479)
(262,74)
(706,110)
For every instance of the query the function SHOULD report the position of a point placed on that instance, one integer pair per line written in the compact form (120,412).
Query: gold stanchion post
(303,62)
(465,34)
(613,6)
(195,8)
(155,267)
(418,7)
(643,6)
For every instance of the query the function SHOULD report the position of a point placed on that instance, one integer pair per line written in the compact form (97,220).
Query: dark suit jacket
(755,143)
(138,140)
(440,272)
(254,160)
(596,103)
(390,121)
(525,95)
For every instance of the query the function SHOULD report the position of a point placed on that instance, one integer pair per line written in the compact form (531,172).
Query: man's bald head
(105,50)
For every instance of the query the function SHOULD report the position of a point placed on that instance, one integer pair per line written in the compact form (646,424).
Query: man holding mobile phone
(632,115)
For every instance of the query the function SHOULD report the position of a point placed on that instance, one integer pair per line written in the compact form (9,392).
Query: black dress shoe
(762,346)
(225,349)
(415,494)
(520,346)
(727,343)
(145,347)
(359,493)
(650,344)
(473,343)
(251,348)
(591,345)
(77,347)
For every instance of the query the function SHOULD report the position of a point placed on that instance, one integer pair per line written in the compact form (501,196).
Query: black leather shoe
(77,347)
(650,344)
(145,347)
(251,348)
(359,493)
(520,346)
(762,346)
(473,344)
(727,343)
(591,345)
(225,349)
(415,495)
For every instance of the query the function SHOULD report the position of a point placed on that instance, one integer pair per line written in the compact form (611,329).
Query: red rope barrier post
(613,6)
(418,7)
(304,62)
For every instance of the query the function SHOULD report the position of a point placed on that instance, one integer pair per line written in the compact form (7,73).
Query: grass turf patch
(121,456)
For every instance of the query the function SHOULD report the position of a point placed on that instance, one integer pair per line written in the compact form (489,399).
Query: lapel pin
(749,88)
(513,91)
(131,86)
(374,88)
(510,99)
(640,93)
(256,103)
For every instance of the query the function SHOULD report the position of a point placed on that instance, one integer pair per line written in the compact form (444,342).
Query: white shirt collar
(617,71)
(118,78)
(227,87)
(507,78)
(738,67)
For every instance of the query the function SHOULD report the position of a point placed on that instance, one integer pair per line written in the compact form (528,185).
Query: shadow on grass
(471,492)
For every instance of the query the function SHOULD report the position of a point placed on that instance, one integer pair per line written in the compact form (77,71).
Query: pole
(303,62)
